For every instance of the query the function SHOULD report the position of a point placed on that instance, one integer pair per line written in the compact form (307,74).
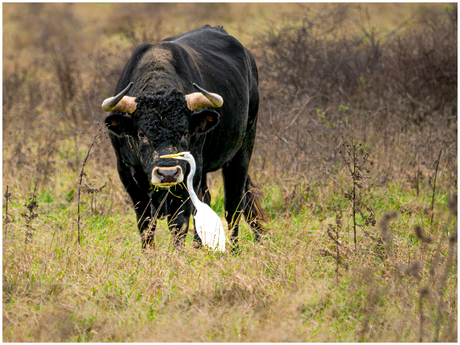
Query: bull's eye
(142,136)
(184,141)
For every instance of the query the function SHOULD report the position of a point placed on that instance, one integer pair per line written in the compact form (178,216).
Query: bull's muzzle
(167,176)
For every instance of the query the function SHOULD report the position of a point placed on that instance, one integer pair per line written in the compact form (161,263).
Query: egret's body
(207,223)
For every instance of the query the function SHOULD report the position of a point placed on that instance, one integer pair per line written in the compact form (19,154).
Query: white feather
(210,228)
(207,223)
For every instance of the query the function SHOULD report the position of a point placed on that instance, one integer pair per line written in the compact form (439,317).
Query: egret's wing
(210,228)
(219,236)
(222,238)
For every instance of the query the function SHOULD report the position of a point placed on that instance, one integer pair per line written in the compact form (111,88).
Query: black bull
(162,122)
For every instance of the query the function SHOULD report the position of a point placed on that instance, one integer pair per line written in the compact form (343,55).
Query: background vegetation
(356,156)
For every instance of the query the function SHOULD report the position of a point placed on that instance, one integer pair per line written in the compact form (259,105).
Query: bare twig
(354,157)
(80,177)
(423,293)
(434,183)
(450,260)
(7,219)
(383,224)
(30,216)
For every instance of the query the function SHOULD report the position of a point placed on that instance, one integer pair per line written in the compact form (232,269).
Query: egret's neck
(191,190)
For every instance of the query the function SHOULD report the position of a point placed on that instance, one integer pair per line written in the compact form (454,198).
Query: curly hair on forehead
(161,101)
(164,113)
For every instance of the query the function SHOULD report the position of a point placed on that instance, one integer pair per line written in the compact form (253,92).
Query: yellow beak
(171,156)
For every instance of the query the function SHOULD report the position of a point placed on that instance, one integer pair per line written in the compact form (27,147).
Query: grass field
(308,280)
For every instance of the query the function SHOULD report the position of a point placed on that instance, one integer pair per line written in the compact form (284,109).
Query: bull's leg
(252,210)
(240,197)
(144,211)
(148,235)
(142,207)
(242,200)
(234,176)
(178,221)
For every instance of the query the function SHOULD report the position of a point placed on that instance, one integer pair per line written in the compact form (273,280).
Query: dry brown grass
(399,283)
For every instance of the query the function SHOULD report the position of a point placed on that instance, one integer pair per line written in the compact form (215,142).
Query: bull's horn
(120,102)
(202,99)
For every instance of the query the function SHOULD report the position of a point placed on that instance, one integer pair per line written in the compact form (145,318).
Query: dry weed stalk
(356,161)
(421,235)
(333,233)
(424,292)
(30,216)
(376,293)
(383,224)
(80,177)
(452,204)
(92,190)
(7,219)
(434,182)
(413,272)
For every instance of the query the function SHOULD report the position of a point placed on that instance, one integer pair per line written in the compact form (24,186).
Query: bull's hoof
(179,249)
(148,251)
(236,250)
(196,245)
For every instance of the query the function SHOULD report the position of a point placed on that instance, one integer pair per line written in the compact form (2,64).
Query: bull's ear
(119,124)
(203,120)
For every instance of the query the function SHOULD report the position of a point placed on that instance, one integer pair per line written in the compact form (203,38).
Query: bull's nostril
(167,175)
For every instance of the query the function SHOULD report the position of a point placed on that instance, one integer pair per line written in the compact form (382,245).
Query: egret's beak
(175,155)
(172,156)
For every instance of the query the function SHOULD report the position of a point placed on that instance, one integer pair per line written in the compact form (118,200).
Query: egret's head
(185,156)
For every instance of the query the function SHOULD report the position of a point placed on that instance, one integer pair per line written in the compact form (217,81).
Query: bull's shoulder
(219,28)
(130,66)
(209,39)
(201,32)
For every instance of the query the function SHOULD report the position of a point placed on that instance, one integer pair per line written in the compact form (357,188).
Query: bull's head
(160,124)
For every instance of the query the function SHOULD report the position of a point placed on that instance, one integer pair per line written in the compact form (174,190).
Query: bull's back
(227,68)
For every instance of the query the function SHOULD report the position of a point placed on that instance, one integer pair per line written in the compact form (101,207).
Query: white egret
(207,223)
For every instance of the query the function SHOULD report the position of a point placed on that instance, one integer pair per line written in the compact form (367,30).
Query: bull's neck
(196,202)
(156,71)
